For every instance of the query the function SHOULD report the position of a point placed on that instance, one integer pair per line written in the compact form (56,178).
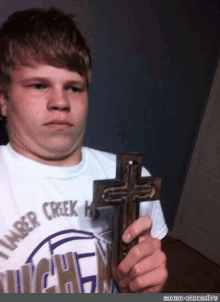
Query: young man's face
(46,111)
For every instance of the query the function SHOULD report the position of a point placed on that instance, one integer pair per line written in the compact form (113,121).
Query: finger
(139,226)
(146,265)
(136,254)
(149,282)
(152,289)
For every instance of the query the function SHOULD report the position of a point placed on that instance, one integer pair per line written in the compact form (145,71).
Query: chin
(63,148)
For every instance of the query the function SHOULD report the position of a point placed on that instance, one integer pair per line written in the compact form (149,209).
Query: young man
(48,242)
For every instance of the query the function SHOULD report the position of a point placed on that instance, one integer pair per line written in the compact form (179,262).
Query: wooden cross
(125,193)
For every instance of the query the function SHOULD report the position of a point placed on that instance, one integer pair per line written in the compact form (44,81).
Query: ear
(3,104)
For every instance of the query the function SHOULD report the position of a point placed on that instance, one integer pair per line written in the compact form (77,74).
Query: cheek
(25,105)
(80,111)
(85,109)
(34,111)
(18,108)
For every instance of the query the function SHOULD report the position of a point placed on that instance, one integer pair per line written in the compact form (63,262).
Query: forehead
(43,70)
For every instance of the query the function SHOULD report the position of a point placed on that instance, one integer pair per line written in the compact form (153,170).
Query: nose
(58,100)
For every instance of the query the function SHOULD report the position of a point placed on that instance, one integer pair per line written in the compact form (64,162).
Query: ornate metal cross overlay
(125,193)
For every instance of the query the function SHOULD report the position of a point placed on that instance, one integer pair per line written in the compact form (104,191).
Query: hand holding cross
(125,193)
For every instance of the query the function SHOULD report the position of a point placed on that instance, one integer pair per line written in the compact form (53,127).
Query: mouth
(59,125)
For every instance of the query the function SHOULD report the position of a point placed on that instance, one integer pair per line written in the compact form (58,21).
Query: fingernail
(126,238)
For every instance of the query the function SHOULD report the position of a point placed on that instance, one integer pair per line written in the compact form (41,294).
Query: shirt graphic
(67,272)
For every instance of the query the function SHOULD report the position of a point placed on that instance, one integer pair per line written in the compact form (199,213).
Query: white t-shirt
(48,241)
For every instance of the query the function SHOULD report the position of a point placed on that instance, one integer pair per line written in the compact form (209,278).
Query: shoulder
(107,160)
(100,163)
(100,156)
(3,151)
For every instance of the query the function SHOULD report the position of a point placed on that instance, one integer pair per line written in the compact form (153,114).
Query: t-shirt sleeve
(153,210)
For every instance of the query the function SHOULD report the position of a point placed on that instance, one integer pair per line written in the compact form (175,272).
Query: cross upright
(125,192)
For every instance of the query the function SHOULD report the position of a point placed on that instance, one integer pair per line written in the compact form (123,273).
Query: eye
(38,86)
(75,89)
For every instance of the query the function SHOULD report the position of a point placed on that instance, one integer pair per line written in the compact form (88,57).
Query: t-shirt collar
(31,166)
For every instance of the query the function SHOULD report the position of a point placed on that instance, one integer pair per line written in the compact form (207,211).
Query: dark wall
(152,70)
(151,84)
